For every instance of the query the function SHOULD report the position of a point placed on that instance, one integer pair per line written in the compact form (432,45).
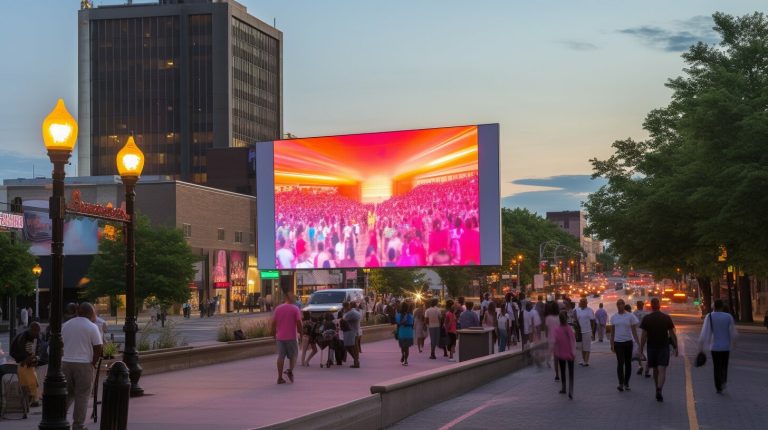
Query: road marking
(690,401)
(461,418)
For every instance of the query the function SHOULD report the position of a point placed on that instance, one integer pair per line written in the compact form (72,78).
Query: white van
(332,300)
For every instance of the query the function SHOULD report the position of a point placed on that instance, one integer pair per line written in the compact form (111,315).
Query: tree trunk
(745,298)
(705,286)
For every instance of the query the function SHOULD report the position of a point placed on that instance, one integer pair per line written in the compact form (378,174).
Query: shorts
(586,342)
(658,356)
(287,348)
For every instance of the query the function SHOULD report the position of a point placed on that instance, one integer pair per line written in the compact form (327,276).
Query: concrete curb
(393,400)
(160,361)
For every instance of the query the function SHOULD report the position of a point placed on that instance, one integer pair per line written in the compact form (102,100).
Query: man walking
(585,319)
(640,313)
(286,324)
(27,349)
(432,315)
(658,332)
(82,350)
(717,336)
(601,318)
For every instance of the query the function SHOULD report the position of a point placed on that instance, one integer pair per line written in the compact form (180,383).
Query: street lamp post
(37,271)
(60,135)
(130,162)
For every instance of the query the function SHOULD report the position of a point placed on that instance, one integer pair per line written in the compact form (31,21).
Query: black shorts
(658,356)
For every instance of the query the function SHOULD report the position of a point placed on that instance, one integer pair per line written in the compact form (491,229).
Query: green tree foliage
(16,263)
(395,280)
(699,181)
(163,266)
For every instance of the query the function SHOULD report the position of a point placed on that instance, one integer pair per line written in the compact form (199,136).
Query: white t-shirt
(285,256)
(531,320)
(79,335)
(585,316)
(503,322)
(622,326)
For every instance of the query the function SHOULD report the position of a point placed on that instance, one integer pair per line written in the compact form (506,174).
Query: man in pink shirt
(286,324)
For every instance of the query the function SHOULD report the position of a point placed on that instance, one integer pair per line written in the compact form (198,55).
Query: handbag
(701,358)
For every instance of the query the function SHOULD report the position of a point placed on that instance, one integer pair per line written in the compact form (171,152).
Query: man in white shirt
(284,255)
(531,324)
(82,349)
(585,317)
(432,316)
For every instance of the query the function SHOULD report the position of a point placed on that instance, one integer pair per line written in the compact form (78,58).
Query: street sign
(270,274)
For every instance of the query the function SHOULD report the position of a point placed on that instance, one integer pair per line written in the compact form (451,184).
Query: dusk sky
(563,78)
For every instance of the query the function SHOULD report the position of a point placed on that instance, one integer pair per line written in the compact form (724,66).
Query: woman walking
(489,320)
(450,329)
(565,351)
(419,326)
(552,322)
(307,339)
(404,321)
(503,327)
(623,333)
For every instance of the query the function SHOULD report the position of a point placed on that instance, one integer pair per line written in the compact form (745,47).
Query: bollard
(116,391)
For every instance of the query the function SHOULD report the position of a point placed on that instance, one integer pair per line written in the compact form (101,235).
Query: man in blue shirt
(717,335)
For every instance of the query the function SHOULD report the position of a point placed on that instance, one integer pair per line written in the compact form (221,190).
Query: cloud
(13,166)
(576,45)
(558,193)
(679,37)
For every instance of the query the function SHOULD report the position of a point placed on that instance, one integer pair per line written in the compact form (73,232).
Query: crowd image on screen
(434,224)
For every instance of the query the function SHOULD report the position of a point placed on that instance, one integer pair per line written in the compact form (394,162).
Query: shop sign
(270,274)
(9,220)
(76,206)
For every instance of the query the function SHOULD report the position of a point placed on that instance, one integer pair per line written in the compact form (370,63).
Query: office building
(574,222)
(184,76)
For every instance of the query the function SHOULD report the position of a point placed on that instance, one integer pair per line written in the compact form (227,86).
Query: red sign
(78,207)
(221,285)
(8,220)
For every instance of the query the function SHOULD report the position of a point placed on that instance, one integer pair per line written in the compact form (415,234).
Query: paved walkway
(243,394)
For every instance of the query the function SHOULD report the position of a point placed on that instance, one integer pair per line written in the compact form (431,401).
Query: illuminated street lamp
(59,135)
(130,163)
(37,271)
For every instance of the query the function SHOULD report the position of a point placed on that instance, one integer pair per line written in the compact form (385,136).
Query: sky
(563,78)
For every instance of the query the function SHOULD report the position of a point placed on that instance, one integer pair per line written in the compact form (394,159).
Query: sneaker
(626,388)
(561,391)
(432,357)
(452,360)
(620,388)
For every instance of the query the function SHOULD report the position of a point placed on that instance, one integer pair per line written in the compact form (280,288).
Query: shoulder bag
(701,358)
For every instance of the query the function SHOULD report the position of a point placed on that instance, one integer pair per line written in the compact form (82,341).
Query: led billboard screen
(413,198)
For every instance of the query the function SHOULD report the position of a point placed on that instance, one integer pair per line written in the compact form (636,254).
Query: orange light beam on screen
(455,155)
(311,176)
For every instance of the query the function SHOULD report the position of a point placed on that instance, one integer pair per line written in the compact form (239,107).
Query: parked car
(332,300)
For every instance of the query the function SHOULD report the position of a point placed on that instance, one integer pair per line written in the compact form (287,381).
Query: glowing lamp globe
(37,270)
(60,129)
(130,160)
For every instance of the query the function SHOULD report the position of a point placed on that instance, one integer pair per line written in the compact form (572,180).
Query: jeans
(720,364)
(600,331)
(623,361)
(503,336)
(434,338)
(562,363)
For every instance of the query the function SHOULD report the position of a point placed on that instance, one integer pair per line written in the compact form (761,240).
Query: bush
(153,336)
(252,329)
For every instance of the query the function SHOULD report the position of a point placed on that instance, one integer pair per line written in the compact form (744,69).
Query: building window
(221,233)
(187,229)
(238,237)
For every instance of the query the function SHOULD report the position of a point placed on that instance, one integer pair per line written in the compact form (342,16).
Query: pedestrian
(659,333)
(502,326)
(552,322)
(82,350)
(640,313)
(623,332)
(352,319)
(432,315)
(404,321)
(585,322)
(565,351)
(450,328)
(419,326)
(512,313)
(468,319)
(717,336)
(307,338)
(24,317)
(27,349)
(601,319)
(286,324)
(531,324)
(489,321)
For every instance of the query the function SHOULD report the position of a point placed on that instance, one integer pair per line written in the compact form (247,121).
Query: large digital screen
(413,198)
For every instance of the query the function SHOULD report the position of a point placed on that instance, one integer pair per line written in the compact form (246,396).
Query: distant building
(574,222)
(184,76)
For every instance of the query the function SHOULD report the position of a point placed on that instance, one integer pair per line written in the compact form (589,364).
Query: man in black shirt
(659,333)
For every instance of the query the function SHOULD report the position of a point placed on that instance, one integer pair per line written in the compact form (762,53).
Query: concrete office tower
(183,76)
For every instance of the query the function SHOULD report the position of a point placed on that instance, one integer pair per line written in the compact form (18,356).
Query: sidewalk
(242,394)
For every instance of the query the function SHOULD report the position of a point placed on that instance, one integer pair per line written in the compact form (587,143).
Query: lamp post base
(54,404)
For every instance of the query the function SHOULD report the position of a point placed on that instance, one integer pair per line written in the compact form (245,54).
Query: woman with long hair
(565,351)
(404,321)
(307,339)
(489,319)
(419,326)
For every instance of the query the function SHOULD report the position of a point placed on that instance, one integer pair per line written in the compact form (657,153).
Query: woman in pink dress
(565,352)
(551,322)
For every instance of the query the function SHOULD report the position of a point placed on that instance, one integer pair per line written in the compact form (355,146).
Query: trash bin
(475,342)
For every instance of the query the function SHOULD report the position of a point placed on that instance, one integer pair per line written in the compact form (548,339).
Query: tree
(164,266)
(16,263)
(395,280)
(697,183)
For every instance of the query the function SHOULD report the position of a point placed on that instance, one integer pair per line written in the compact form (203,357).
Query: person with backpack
(404,321)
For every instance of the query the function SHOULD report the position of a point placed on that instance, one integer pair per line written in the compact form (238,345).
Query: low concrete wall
(403,397)
(363,413)
(160,361)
